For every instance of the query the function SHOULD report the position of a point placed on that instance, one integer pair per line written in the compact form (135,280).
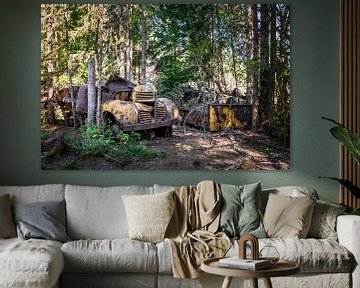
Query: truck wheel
(164,131)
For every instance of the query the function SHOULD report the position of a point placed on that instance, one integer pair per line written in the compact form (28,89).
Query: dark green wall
(314,93)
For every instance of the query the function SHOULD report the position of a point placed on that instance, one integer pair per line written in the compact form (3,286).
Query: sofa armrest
(348,230)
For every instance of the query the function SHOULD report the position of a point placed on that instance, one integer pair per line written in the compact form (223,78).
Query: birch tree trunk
(143,45)
(50,66)
(91,91)
(128,51)
(71,90)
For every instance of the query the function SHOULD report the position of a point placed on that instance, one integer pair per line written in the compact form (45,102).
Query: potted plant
(351,141)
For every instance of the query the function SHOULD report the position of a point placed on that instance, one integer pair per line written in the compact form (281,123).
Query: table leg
(227,282)
(254,282)
(267,283)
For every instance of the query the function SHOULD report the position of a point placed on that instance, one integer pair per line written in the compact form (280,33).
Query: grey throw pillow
(240,213)
(44,220)
(7,226)
(323,222)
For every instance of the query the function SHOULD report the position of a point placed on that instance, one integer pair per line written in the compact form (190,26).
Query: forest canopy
(235,49)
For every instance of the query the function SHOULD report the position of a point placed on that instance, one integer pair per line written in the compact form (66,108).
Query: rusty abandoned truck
(138,108)
(126,107)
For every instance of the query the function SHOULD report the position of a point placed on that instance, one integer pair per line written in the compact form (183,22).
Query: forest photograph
(165,87)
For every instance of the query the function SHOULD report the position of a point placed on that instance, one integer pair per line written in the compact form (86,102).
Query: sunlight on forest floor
(193,150)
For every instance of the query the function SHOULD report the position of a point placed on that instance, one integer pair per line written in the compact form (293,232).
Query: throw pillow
(44,220)
(323,222)
(288,217)
(240,213)
(7,226)
(149,215)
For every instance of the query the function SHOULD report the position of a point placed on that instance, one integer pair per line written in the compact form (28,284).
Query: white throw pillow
(149,215)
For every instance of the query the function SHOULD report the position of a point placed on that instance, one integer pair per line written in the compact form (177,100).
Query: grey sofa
(101,254)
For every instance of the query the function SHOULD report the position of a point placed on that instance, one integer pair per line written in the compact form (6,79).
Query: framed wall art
(165,86)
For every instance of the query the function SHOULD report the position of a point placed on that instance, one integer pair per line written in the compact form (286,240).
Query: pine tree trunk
(264,60)
(91,91)
(272,68)
(255,76)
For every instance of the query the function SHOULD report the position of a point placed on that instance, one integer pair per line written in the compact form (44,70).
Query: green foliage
(100,140)
(355,211)
(45,134)
(72,141)
(348,138)
(351,141)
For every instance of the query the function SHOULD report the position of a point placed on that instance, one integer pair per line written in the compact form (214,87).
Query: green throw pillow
(240,213)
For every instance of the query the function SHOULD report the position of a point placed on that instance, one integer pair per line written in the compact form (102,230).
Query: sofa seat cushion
(30,263)
(110,255)
(313,255)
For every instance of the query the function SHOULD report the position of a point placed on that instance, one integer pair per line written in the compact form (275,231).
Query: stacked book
(248,264)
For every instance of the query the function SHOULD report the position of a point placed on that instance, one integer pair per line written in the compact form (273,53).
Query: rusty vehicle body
(125,105)
(60,99)
(225,114)
(137,108)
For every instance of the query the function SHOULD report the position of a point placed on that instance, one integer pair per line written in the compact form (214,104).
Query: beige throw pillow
(288,217)
(149,215)
(7,226)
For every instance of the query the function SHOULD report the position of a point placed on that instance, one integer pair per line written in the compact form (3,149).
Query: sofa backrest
(98,212)
(163,188)
(35,193)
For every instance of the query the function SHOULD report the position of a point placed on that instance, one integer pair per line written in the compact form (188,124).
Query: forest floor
(187,149)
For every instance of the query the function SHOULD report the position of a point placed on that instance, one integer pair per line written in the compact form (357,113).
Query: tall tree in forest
(283,71)
(91,91)
(128,43)
(272,67)
(101,13)
(255,75)
(232,43)
(143,44)
(68,63)
(264,85)
(49,10)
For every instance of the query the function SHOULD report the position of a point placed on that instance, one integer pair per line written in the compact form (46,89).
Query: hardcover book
(249,264)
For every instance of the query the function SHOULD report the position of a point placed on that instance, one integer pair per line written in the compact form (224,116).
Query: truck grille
(144,117)
(145,96)
(160,112)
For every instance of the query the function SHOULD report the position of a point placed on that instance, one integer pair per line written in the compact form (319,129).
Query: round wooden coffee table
(281,268)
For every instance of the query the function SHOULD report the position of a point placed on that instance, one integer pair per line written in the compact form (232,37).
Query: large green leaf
(348,185)
(349,139)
